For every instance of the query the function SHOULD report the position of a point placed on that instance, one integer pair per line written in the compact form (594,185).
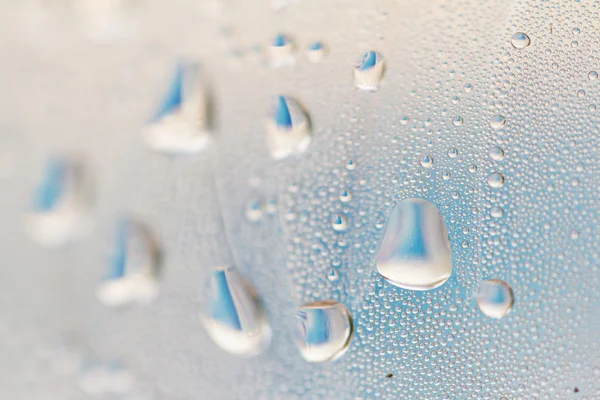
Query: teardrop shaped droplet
(62,202)
(495,298)
(288,128)
(233,315)
(181,122)
(368,71)
(415,251)
(133,276)
(281,51)
(323,330)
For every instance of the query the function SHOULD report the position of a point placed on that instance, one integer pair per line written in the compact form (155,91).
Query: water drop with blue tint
(316,51)
(232,314)
(281,51)
(288,128)
(495,298)
(180,125)
(133,276)
(368,71)
(415,251)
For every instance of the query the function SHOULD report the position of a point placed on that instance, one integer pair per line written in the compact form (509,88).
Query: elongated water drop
(233,315)
(61,204)
(495,298)
(288,128)
(133,276)
(323,330)
(180,125)
(281,52)
(415,251)
(368,71)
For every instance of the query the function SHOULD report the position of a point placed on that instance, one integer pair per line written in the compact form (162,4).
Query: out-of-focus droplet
(339,222)
(316,51)
(592,75)
(457,121)
(62,203)
(233,315)
(368,71)
(520,40)
(288,128)
(496,180)
(254,211)
(345,196)
(180,125)
(98,378)
(415,251)
(497,122)
(323,330)
(452,152)
(496,153)
(494,298)
(426,161)
(497,212)
(105,20)
(281,51)
(134,273)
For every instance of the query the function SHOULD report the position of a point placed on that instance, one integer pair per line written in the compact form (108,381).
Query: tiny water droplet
(497,122)
(496,180)
(520,40)
(496,153)
(368,71)
(494,298)
(339,223)
(288,128)
(61,205)
(427,161)
(281,51)
(323,330)
(232,315)
(180,125)
(415,251)
(316,51)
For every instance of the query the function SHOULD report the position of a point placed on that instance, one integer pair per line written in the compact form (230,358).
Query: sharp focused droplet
(61,206)
(181,122)
(520,40)
(288,128)
(133,276)
(281,51)
(415,251)
(495,298)
(368,71)
(233,316)
(323,330)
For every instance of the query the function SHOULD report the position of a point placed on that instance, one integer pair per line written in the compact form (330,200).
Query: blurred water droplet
(333,274)
(592,75)
(368,71)
(497,212)
(254,211)
(323,330)
(339,222)
(288,128)
(98,378)
(351,165)
(61,204)
(281,51)
(496,153)
(457,121)
(520,40)
(133,276)
(415,251)
(494,298)
(497,122)
(496,180)
(452,152)
(180,125)
(426,161)
(233,315)
(316,51)
(345,196)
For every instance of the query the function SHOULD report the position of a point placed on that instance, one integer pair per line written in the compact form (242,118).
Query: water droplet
(180,125)
(288,128)
(496,180)
(457,121)
(520,40)
(592,75)
(581,93)
(254,210)
(452,152)
(446,175)
(497,212)
(368,71)
(133,276)
(233,316)
(345,196)
(323,330)
(316,51)
(497,122)
(576,31)
(415,251)
(351,165)
(472,168)
(468,87)
(333,274)
(427,161)
(494,298)
(281,52)
(339,223)
(61,204)
(497,154)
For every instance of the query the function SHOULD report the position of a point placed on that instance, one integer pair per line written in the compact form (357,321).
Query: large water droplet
(496,180)
(180,124)
(339,222)
(497,121)
(323,330)
(415,251)
(61,204)
(288,128)
(496,153)
(133,276)
(368,71)
(495,298)
(233,316)
(281,51)
(426,161)
(520,40)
